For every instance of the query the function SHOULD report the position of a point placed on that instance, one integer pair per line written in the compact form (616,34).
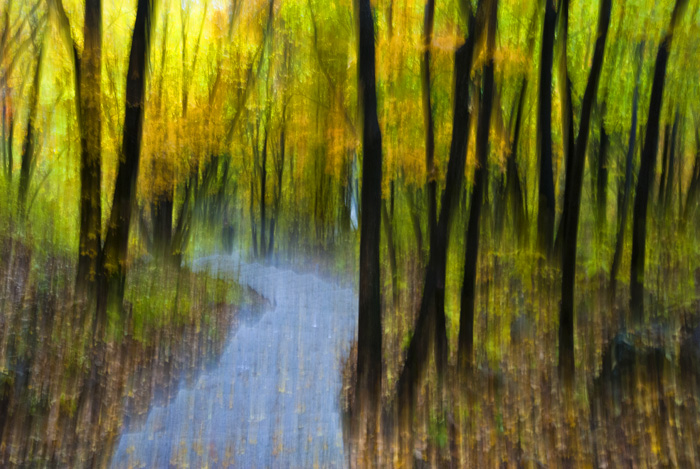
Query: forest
(364,233)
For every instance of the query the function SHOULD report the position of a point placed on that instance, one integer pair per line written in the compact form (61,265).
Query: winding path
(272,400)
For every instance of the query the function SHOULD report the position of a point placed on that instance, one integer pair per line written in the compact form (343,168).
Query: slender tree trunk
(89,82)
(111,291)
(417,353)
(664,166)
(671,170)
(6,136)
(389,233)
(369,348)
(514,190)
(278,195)
(253,227)
(263,180)
(629,161)
(602,178)
(428,117)
(572,201)
(691,197)
(28,150)
(466,318)
(162,221)
(646,170)
(10,145)
(546,203)
(567,112)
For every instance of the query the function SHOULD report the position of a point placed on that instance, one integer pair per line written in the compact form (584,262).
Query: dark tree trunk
(646,170)
(629,160)
(369,347)
(428,117)
(279,168)
(162,221)
(391,248)
(514,188)
(417,353)
(602,178)
(691,197)
(567,112)
(466,318)
(89,82)
(664,165)
(572,201)
(569,150)
(7,130)
(671,170)
(28,158)
(253,226)
(111,291)
(415,221)
(10,143)
(263,180)
(546,202)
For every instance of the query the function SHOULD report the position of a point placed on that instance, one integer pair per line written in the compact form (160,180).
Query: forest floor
(176,327)
(635,401)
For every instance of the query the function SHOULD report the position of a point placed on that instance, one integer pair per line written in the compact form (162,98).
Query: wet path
(272,400)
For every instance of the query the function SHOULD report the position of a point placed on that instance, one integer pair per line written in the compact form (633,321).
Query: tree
(627,188)
(428,20)
(546,202)
(28,156)
(431,315)
(572,200)
(471,256)
(369,342)
(646,168)
(113,261)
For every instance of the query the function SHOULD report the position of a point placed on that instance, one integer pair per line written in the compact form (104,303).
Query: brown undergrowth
(176,324)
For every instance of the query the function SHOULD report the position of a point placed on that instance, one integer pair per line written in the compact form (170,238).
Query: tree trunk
(28,150)
(546,203)
(369,347)
(514,190)
(428,117)
(646,170)
(624,204)
(572,201)
(253,227)
(664,166)
(691,197)
(417,353)
(90,80)
(466,318)
(263,180)
(279,168)
(111,291)
(162,221)
(602,178)
(671,170)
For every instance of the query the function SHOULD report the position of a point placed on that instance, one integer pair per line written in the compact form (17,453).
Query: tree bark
(90,100)
(671,170)
(466,318)
(572,201)
(428,117)
(417,353)
(369,349)
(546,202)
(629,161)
(111,292)
(646,169)
(602,178)
(27,157)
(263,180)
